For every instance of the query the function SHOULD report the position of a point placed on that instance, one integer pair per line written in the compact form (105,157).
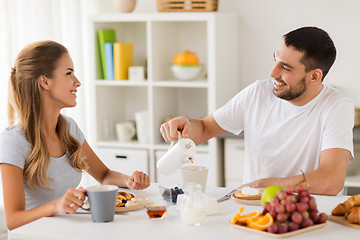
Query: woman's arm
(14,199)
(98,170)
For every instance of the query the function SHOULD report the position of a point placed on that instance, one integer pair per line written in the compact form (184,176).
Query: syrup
(156,212)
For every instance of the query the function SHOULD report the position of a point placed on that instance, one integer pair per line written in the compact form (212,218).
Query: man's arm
(199,130)
(328,179)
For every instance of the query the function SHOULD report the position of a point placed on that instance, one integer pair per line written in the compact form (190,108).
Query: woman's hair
(26,102)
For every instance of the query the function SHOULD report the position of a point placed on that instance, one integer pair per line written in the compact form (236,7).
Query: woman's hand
(138,181)
(71,201)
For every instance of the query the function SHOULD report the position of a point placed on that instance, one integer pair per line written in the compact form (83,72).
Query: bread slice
(240,195)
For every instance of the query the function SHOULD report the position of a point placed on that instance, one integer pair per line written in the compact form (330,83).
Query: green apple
(269,193)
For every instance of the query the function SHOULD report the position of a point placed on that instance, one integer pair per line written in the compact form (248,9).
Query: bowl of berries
(170,194)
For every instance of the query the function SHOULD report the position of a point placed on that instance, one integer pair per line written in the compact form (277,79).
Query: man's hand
(170,128)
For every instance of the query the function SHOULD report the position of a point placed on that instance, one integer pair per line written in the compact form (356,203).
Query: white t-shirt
(280,138)
(15,150)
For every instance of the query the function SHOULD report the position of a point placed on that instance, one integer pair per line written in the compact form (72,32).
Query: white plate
(282,235)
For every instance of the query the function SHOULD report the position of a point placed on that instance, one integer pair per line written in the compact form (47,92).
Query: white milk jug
(177,155)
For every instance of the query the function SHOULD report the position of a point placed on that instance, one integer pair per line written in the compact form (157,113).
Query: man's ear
(316,75)
(44,83)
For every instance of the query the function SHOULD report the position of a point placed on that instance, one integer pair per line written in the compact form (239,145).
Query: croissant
(354,215)
(344,207)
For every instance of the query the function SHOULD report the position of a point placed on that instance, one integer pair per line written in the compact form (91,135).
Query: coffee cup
(102,201)
(177,155)
(195,174)
(125,131)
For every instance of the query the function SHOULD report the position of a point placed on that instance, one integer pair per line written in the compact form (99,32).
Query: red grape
(293,226)
(283,228)
(264,211)
(289,190)
(280,208)
(312,203)
(266,204)
(273,228)
(301,207)
(305,214)
(307,222)
(304,193)
(282,217)
(314,215)
(290,207)
(322,218)
(292,198)
(281,194)
(304,199)
(273,212)
(296,217)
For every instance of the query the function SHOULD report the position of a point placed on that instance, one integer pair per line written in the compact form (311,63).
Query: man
(291,123)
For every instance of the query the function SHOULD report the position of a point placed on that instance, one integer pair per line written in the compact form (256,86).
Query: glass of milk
(192,206)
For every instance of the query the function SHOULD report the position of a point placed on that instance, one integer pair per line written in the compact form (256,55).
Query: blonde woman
(42,157)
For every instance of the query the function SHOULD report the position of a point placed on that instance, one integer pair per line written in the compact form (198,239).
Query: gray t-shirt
(15,150)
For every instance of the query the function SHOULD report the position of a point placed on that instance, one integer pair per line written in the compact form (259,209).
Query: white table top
(136,224)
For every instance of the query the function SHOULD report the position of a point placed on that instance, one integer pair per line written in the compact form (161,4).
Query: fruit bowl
(186,72)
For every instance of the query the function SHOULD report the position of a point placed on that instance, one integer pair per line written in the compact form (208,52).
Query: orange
(235,219)
(261,224)
(245,218)
(186,58)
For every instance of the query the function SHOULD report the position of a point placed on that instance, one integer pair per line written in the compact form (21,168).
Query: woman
(41,158)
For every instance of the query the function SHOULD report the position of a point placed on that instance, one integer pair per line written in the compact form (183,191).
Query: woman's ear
(44,83)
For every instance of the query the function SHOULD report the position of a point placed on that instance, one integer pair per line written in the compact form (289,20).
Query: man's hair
(318,48)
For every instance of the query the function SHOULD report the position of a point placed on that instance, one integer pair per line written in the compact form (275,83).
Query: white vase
(124,5)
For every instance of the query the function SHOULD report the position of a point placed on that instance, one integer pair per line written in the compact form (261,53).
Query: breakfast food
(186,58)
(350,209)
(248,193)
(293,211)
(345,207)
(269,193)
(122,198)
(353,216)
(170,195)
(287,212)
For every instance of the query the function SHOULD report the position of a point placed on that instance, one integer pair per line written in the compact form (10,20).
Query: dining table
(137,224)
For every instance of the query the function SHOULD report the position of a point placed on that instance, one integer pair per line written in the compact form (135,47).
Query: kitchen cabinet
(234,155)
(156,38)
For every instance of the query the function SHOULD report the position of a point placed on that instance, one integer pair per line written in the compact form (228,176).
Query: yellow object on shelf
(123,59)
(186,58)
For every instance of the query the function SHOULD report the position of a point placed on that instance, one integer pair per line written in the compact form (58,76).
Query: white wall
(263,22)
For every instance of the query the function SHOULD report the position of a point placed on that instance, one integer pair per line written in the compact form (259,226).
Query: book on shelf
(123,59)
(109,60)
(104,36)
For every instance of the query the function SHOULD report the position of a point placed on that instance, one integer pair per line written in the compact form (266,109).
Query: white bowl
(183,72)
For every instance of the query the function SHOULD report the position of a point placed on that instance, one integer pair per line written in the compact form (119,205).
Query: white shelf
(181,84)
(352,181)
(113,83)
(156,38)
